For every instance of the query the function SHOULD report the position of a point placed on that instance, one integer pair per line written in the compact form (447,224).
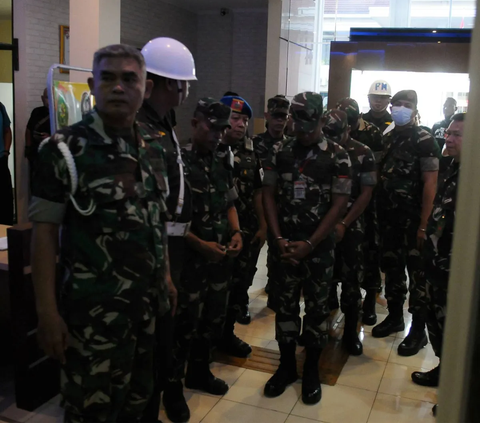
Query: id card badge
(299,190)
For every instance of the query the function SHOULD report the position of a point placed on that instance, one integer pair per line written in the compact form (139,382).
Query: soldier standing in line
(247,179)
(350,231)
(438,248)
(408,181)
(113,246)
(438,130)
(312,176)
(379,96)
(276,117)
(170,67)
(369,135)
(214,238)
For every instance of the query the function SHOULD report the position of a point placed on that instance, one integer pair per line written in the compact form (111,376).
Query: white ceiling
(202,5)
(5,9)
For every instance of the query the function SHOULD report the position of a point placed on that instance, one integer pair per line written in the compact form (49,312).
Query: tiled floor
(373,388)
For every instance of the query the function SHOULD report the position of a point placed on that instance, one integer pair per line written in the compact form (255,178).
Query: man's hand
(236,245)
(421,236)
(52,336)
(297,251)
(339,232)
(213,251)
(172,294)
(260,238)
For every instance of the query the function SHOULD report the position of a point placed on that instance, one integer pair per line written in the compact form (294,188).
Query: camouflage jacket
(406,156)
(247,178)
(370,135)
(306,178)
(263,144)
(113,258)
(381,123)
(438,246)
(363,167)
(213,193)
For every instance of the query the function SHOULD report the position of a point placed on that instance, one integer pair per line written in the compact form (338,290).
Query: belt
(178,229)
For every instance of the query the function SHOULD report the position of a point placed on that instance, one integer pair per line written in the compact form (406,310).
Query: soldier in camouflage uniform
(312,176)
(112,249)
(370,135)
(276,117)
(213,239)
(438,248)
(408,178)
(248,183)
(350,231)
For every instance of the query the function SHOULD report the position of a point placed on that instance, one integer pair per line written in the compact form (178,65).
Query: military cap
(336,124)
(238,105)
(217,113)
(407,95)
(306,110)
(350,107)
(278,104)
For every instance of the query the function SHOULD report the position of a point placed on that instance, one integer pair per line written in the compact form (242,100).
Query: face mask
(182,96)
(401,115)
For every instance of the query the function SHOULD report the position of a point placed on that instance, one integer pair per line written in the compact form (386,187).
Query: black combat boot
(286,372)
(243,316)
(430,378)
(230,343)
(393,323)
(311,387)
(369,314)
(416,338)
(333,297)
(350,336)
(175,405)
(201,378)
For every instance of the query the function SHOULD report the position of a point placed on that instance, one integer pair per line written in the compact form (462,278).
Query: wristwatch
(238,231)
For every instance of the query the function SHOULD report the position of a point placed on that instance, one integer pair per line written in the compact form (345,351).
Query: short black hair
(230,94)
(451,99)
(459,117)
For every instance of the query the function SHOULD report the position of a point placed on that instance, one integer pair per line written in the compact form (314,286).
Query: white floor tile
(258,306)
(257,288)
(425,358)
(376,348)
(296,419)
(397,381)
(257,342)
(339,404)
(229,374)
(10,411)
(260,327)
(249,390)
(394,409)
(233,412)
(48,413)
(199,405)
(362,372)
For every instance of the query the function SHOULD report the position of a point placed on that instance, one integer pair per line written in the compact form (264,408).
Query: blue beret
(238,105)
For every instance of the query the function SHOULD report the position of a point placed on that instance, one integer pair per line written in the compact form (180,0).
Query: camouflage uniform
(306,178)
(437,254)
(349,259)
(263,144)
(371,136)
(114,279)
(407,154)
(381,123)
(247,179)
(205,286)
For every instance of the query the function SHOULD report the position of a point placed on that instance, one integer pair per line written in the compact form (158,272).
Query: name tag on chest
(299,190)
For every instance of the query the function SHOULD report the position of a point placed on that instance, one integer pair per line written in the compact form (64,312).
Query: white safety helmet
(380,87)
(169,58)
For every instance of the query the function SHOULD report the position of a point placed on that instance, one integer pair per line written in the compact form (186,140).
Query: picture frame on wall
(64,47)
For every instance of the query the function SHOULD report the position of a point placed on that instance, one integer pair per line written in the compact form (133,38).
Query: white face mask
(401,115)
(182,96)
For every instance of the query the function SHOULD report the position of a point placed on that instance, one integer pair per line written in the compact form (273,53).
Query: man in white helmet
(170,66)
(379,96)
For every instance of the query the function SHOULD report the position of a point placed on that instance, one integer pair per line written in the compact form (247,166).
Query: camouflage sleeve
(50,185)
(258,177)
(429,152)
(378,143)
(368,175)
(232,190)
(342,180)
(270,173)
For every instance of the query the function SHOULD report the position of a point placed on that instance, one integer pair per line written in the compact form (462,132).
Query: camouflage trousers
(243,272)
(399,250)
(108,374)
(372,278)
(273,260)
(313,275)
(436,304)
(349,265)
(201,309)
